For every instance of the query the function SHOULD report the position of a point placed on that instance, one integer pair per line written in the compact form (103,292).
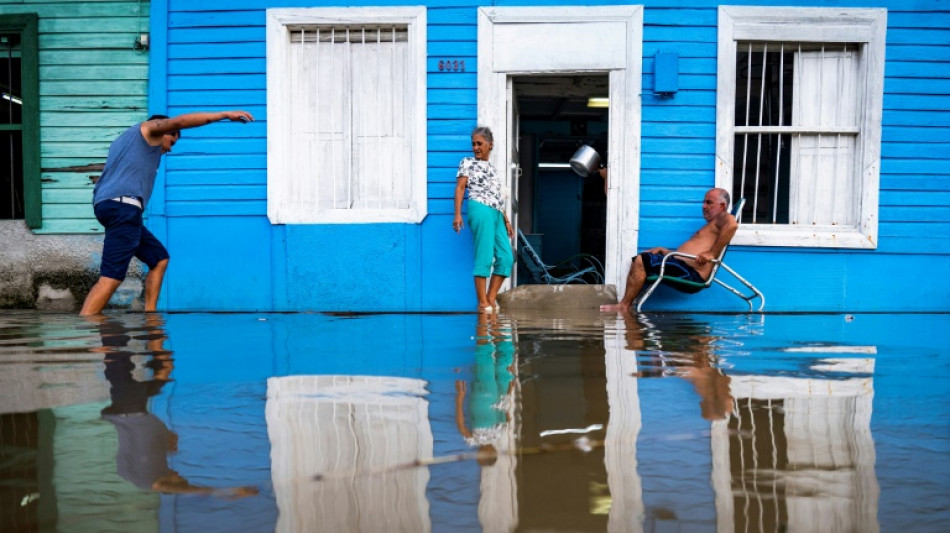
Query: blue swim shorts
(126,237)
(675,268)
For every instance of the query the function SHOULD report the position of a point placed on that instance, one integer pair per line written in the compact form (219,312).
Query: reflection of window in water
(350,427)
(797,454)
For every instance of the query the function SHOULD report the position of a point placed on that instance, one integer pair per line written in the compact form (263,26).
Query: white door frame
(515,41)
(512,127)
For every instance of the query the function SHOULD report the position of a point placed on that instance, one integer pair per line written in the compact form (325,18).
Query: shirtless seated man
(705,244)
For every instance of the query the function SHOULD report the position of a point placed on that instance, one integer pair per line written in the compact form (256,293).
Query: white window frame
(282,207)
(820,25)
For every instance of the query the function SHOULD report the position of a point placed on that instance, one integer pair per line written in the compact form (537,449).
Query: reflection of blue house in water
(828,419)
(829,120)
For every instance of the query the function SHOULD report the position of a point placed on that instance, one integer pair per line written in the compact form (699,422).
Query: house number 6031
(451,65)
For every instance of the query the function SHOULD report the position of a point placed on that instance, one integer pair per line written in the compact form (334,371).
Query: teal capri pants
(492,247)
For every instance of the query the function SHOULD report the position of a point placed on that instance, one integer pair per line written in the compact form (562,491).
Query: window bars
(11,129)
(796,132)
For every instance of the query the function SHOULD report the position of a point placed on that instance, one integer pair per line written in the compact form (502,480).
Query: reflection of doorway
(562,213)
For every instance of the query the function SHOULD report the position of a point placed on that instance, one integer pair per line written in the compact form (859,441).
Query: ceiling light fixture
(598,101)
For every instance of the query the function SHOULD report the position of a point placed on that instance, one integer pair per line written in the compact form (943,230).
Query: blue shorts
(126,237)
(675,268)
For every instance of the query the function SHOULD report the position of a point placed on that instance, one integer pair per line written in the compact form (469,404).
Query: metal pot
(585,161)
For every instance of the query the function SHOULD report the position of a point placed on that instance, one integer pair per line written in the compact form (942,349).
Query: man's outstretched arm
(155,128)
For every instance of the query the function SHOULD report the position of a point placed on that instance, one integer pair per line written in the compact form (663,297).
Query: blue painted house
(831,118)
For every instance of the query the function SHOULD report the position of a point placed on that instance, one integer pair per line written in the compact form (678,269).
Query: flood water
(554,421)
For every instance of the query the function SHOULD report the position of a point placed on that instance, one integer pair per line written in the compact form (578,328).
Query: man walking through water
(705,244)
(121,194)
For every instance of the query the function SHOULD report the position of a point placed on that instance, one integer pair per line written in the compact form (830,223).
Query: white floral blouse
(483,186)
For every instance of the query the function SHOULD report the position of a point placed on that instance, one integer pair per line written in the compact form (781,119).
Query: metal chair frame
(542,272)
(713,276)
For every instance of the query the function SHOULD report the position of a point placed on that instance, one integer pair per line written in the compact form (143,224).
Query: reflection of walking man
(121,194)
(144,440)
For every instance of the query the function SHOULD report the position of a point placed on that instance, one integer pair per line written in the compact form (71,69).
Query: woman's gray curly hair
(485,132)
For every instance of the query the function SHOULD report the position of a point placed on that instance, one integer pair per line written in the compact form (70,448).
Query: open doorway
(515,43)
(560,212)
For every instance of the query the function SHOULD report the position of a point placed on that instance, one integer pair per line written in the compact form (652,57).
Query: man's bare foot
(615,308)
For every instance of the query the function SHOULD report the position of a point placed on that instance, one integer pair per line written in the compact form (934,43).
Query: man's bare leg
(635,279)
(493,287)
(481,294)
(99,296)
(153,284)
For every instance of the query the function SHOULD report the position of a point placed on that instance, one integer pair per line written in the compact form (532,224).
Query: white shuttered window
(345,95)
(798,123)
(825,110)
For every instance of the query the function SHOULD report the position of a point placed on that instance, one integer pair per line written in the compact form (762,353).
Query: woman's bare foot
(617,307)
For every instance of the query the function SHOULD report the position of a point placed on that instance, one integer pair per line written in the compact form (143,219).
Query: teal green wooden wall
(93,85)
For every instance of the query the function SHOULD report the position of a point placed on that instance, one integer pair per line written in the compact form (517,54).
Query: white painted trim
(801,236)
(868,26)
(279,162)
(623,200)
(784,388)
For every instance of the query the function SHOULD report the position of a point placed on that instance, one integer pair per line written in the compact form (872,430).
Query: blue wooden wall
(210,202)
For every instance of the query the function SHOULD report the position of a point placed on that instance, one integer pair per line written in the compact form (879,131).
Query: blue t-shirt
(130,168)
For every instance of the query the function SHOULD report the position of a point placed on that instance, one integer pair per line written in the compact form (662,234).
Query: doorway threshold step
(558,297)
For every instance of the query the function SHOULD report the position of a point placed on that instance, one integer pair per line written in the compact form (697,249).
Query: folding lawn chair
(575,269)
(692,287)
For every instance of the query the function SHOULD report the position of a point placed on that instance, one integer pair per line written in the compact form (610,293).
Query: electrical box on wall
(666,72)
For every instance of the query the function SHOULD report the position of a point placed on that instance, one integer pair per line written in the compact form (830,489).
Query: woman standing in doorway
(487,220)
